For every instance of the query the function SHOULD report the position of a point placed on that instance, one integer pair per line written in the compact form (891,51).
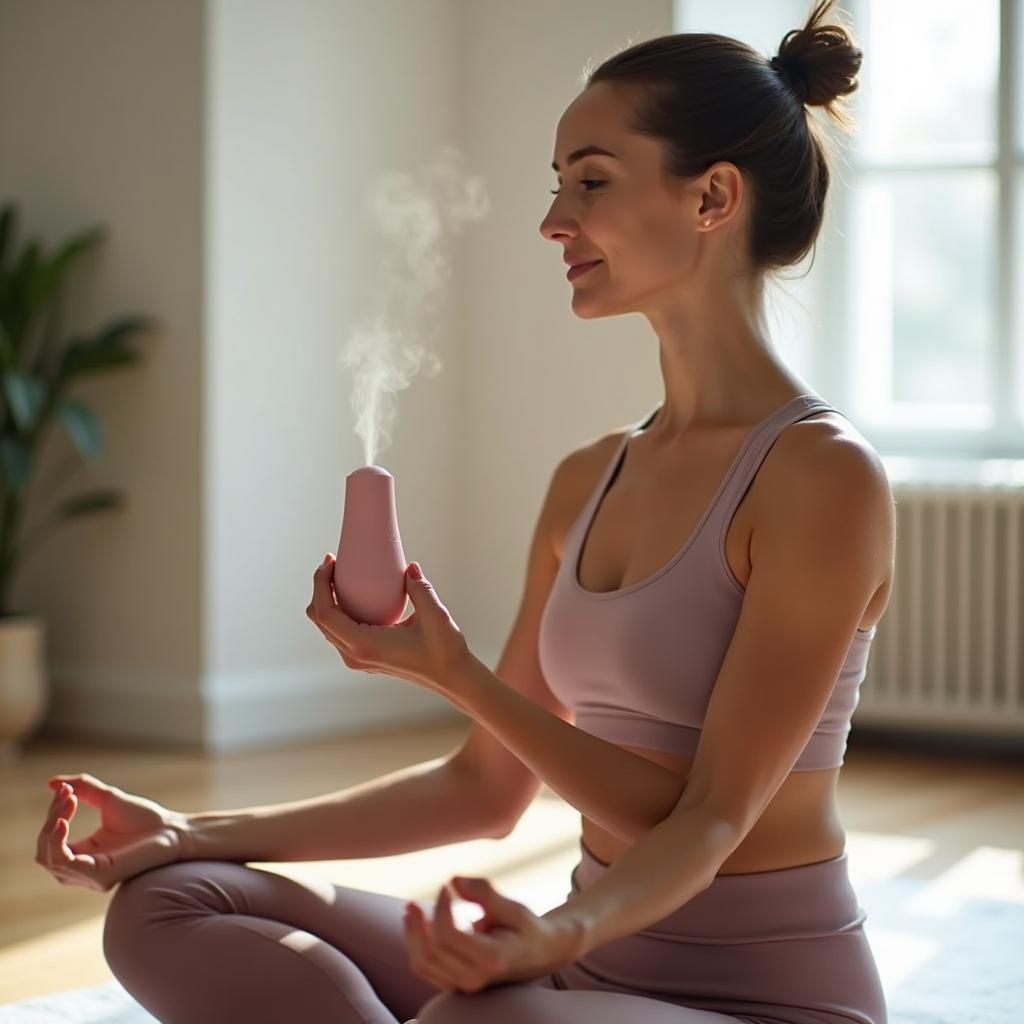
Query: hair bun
(818,62)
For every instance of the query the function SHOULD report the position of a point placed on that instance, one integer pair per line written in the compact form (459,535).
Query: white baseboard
(236,711)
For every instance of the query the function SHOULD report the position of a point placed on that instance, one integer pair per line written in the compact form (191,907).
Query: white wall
(230,145)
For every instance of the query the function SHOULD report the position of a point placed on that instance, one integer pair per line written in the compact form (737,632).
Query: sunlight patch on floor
(876,856)
(987,872)
(914,918)
(68,956)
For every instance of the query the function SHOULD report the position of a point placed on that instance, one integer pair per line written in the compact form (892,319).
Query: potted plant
(37,372)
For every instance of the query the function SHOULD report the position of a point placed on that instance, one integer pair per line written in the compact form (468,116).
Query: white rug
(946,954)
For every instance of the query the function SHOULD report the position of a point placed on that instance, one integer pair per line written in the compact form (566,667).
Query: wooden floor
(50,934)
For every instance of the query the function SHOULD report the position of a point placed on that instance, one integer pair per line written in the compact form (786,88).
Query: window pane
(923,295)
(1017,299)
(928,81)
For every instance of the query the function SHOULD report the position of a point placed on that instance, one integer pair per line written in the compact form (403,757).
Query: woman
(702,593)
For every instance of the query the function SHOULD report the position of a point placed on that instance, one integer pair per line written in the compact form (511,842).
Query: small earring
(707,222)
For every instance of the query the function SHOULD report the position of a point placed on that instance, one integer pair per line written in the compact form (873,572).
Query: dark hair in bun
(712,98)
(819,62)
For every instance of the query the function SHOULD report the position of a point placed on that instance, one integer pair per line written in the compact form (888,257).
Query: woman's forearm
(660,872)
(423,805)
(626,794)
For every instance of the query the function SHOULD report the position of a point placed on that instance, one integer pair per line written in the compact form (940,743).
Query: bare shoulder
(827,454)
(831,444)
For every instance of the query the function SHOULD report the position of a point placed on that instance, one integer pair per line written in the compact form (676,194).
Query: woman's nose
(553,227)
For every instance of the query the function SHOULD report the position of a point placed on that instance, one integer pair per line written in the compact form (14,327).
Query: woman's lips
(581,268)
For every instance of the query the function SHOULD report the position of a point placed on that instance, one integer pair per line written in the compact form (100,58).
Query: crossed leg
(202,942)
(205,942)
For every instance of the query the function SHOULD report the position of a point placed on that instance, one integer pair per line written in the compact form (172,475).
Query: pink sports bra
(637,664)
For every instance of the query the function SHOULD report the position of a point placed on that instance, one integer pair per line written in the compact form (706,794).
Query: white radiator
(948,655)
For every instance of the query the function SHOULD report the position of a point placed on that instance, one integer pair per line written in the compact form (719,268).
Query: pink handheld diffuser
(369,573)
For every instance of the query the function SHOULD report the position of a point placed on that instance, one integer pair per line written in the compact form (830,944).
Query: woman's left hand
(509,943)
(426,648)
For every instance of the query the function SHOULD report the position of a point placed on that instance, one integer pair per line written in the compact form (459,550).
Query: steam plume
(386,351)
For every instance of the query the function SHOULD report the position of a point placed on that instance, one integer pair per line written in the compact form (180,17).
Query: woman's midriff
(801,825)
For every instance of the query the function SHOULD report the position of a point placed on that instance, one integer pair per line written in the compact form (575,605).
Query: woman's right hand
(135,834)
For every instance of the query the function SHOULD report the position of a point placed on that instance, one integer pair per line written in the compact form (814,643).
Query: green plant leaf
(90,502)
(26,396)
(46,288)
(35,279)
(54,273)
(103,351)
(15,461)
(22,284)
(82,426)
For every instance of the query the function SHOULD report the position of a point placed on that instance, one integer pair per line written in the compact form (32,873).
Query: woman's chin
(590,307)
(590,312)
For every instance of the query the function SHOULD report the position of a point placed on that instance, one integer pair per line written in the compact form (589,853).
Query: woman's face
(620,210)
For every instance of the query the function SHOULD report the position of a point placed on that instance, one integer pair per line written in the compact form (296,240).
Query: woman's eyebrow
(579,154)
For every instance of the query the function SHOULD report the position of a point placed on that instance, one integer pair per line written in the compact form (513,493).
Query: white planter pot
(23,684)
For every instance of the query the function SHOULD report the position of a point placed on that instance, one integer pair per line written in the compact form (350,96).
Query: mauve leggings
(215,942)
